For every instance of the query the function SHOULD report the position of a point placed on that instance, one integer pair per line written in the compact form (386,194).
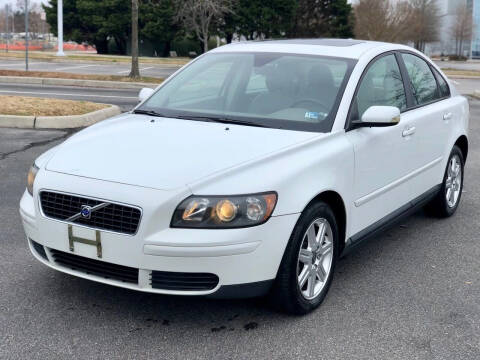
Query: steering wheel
(311,101)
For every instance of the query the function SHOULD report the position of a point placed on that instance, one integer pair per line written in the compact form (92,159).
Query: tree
(135,72)
(425,22)
(323,18)
(228,27)
(158,22)
(383,20)
(200,15)
(112,18)
(462,27)
(35,23)
(93,22)
(256,19)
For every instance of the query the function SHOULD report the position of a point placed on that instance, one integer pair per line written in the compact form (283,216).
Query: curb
(76,82)
(476,94)
(58,122)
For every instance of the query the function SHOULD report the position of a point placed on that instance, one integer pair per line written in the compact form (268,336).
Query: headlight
(32,173)
(223,212)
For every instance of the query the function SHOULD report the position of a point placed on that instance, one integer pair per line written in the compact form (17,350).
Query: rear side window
(442,85)
(381,85)
(423,83)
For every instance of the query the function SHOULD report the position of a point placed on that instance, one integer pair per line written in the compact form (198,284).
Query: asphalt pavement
(411,293)
(466,86)
(89,67)
(146,69)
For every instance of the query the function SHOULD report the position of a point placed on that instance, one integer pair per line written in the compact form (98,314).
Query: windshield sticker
(313,115)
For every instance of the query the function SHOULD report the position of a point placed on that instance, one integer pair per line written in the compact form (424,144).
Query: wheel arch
(462,143)
(335,201)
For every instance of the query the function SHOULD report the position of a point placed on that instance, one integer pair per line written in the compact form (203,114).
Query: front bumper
(245,260)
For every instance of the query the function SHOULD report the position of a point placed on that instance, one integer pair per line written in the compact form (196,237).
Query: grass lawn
(459,72)
(61,75)
(31,106)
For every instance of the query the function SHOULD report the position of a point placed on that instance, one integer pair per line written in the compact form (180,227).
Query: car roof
(345,48)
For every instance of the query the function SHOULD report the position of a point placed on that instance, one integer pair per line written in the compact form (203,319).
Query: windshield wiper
(221,120)
(200,118)
(148,112)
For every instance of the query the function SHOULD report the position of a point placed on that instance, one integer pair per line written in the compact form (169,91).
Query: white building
(446,44)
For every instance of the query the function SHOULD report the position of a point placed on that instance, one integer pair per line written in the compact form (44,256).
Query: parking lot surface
(92,67)
(411,293)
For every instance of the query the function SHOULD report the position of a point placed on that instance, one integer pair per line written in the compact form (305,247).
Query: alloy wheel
(453,184)
(315,258)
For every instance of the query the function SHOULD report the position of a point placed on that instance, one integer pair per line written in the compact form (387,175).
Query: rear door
(430,110)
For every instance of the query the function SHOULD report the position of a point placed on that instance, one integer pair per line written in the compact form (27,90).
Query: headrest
(320,76)
(279,78)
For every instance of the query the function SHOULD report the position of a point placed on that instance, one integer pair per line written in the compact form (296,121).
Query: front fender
(298,174)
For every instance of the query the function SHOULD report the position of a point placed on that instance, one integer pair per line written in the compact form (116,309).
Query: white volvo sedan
(251,171)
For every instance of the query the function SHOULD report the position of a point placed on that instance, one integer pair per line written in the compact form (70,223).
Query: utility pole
(60,28)
(26,35)
(6,23)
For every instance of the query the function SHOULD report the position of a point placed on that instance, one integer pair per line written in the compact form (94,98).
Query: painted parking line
(74,67)
(127,71)
(66,94)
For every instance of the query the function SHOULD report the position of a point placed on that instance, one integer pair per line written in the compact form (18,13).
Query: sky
(13,2)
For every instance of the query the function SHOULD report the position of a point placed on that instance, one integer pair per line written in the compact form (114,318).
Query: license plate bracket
(73,239)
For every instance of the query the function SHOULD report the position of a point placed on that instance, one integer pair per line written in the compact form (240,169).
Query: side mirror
(145,94)
(379,116)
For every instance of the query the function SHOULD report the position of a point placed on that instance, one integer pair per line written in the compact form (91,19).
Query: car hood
(164,153)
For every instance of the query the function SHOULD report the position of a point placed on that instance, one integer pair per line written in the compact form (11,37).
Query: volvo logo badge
(86,211)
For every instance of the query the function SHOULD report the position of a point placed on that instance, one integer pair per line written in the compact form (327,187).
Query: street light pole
(6,23)
(60,27)
(26,35)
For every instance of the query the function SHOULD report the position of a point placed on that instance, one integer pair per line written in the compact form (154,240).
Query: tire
(287,295)
(439,206)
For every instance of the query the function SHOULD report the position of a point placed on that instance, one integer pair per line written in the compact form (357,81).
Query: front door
(385,157)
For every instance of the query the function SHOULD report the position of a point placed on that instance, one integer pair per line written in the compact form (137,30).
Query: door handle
(409,131)
(447,116)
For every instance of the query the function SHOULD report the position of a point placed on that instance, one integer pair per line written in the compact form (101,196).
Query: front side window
(288,91)
(381,85)
(423,83)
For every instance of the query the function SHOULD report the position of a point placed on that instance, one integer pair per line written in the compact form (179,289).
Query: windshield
(287,91)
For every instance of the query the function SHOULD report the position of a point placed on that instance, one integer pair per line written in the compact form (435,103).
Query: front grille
(39,249)
(95,267)
(183,281)
(113,217)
